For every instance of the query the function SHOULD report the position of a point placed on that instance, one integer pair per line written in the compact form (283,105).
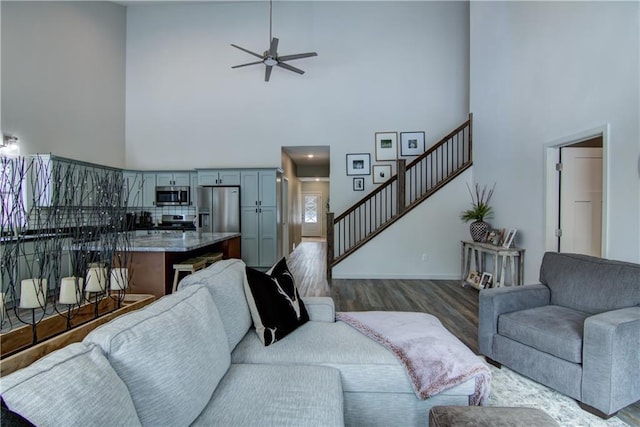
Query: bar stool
(211,257)
(189,266)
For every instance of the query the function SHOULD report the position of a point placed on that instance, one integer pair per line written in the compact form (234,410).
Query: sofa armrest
(320,309)
(496,301)
(611,360)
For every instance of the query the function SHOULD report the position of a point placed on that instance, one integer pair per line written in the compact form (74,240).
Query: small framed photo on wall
(359,164)
(508,239)
(411,143)
(381,173)
(386,145)
(358,184)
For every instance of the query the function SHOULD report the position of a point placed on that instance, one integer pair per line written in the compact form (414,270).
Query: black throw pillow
(274,302)
(8,418)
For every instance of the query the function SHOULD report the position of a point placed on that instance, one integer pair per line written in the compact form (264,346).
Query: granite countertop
(167,241)
(173,241)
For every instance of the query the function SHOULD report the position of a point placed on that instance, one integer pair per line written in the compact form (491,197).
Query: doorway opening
(307,169)
(576,194)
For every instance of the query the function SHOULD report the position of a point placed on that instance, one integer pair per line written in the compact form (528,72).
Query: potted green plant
(479,211)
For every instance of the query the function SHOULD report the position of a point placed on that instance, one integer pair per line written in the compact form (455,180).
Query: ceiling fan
(270,57)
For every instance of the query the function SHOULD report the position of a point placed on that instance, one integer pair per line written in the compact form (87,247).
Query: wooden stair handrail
(401,208)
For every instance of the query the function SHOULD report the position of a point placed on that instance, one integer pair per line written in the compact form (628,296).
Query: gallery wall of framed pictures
(387,149)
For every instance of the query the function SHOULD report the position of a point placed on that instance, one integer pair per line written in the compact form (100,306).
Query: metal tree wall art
(64,241)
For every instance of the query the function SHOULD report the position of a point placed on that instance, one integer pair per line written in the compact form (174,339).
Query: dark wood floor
(455,306)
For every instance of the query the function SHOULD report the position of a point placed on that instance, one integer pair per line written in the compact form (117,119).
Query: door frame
(551,186)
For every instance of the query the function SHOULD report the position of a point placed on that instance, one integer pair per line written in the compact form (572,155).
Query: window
(12,198)
(311,209)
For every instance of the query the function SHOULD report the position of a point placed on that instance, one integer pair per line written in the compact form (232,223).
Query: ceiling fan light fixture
(270,58)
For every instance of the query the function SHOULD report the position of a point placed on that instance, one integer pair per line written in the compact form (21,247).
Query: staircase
(414,183)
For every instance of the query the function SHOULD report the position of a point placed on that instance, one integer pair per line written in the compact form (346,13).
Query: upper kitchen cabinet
(258,187)
(167,179)
(218,177)
(141,187)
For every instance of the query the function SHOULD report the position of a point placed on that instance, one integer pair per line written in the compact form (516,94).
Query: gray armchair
(577,331)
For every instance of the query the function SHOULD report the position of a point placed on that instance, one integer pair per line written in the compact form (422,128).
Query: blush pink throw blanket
(435,360)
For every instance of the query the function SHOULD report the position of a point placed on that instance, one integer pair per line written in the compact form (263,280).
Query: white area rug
(509,388)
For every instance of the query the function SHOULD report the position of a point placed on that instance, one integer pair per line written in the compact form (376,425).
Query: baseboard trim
(397,276)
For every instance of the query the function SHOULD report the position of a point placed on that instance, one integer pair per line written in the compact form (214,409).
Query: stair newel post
(402,169)
(470,137)
(330,244)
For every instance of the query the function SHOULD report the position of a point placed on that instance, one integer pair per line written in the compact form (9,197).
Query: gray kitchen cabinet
(258,188)
(167,179)
(218,177)
(148,189)
(132,188)
(193,179)
(141,188)
(259,217)
(259,236)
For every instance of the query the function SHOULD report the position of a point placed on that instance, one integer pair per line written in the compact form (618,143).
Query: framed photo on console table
(508,239)
(359,164)
(386,145)
(411,143)
(485,280)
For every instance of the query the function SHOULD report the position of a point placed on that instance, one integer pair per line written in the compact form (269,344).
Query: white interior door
(312,214)
(581,201)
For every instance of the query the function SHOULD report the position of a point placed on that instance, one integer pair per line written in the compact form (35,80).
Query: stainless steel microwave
(173,196)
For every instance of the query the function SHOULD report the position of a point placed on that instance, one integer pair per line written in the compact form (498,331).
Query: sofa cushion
(590,284)
(170,354)
(365,365)
(553,329)
(73,386)
(271,395)
(225,280)
(275,305)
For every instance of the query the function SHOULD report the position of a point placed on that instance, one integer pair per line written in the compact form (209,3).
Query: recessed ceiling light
(310,156)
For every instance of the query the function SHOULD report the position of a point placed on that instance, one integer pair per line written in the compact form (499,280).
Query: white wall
(541,71)
(433,229)
(382,66)
(63,78)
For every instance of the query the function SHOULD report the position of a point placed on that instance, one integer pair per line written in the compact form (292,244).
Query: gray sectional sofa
(577,331)
(192,358)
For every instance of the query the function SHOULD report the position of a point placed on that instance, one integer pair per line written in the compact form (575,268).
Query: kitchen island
(153,254)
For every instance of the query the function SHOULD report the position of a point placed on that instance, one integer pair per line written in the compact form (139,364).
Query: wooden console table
(501,257)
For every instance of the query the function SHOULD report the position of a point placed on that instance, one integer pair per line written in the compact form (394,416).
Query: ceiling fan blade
(244,65)
(273,50)
(267,72)
(248,51)
(297,56)
(290,68)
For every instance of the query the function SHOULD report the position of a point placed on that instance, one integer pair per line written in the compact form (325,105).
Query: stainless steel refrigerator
(218,209)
